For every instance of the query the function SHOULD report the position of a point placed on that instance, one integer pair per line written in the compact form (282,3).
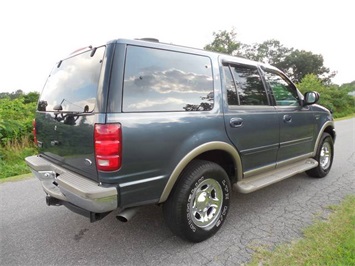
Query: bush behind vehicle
(16,140)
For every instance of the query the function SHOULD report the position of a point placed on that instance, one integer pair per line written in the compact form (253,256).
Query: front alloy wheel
(324,157)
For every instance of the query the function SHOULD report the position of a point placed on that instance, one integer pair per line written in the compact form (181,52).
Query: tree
(271,52)
(300,63)
(12,95)
(295,63)
(332,97)
(224,42)
(349,87)
(31,97)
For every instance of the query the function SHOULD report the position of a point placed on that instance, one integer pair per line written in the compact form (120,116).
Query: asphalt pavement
(33,234)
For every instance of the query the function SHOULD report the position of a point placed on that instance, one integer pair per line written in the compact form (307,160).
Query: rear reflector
(108,146)
(34,132)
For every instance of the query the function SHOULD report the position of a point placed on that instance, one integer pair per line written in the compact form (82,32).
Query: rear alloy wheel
(324,157)
(199,203)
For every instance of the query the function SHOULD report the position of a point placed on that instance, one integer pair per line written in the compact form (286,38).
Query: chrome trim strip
(276,165)
(260,149)
(295,142)
(137,182)
(259,170)
(210,146)
(294,160)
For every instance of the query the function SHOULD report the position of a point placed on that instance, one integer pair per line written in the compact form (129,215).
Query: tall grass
(12,154)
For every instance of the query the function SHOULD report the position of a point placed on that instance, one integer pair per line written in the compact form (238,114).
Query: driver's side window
(284,92)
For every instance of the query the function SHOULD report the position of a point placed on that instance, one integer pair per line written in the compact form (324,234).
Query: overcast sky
(37,33)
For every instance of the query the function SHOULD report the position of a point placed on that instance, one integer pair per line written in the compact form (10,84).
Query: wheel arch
(218,152)
(328,127)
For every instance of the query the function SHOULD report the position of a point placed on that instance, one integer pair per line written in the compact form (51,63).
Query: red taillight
(34,132)
(108,146)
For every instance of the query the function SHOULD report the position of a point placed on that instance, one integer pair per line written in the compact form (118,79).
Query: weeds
(12,155)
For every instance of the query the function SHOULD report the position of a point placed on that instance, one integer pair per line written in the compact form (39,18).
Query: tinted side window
(160,80)
(232,95)
(249,85)
(284,92)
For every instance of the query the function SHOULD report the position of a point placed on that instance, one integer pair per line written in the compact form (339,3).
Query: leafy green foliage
(17,111)
(298,64)
(295,63)
(16,115)
(349,87)
(12,155)
(271,52)
(224,42)
(333,97)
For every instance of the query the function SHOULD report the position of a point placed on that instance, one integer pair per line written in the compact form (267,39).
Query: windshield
(72,84)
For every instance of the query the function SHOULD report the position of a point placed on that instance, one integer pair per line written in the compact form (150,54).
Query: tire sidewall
(197,233)
(325,138)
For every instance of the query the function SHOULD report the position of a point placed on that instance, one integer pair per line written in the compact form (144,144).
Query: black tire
(198,205)
(324,157)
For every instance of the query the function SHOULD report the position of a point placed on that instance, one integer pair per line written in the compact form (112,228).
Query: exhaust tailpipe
(126,215)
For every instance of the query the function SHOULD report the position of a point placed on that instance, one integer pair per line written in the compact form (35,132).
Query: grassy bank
(12,156)
(330,242)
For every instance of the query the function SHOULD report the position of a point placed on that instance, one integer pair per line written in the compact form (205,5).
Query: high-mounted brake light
(34,131)
(108,146)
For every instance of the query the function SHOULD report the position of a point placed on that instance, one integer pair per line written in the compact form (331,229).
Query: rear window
(73,82)
(160,80)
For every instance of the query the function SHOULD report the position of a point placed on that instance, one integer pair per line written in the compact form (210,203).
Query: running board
(259,181)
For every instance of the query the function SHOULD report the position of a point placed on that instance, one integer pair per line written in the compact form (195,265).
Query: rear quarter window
(160,80)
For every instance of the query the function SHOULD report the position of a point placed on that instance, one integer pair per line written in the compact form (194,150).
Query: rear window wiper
(59,108)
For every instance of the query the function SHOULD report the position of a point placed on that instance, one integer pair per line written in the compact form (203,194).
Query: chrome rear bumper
(69,187)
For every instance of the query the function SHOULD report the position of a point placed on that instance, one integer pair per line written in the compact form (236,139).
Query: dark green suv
(137,122)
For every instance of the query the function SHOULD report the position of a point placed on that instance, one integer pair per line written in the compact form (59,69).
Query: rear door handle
(236,122)
(287,118)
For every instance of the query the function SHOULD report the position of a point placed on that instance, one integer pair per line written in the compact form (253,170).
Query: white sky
(37,33)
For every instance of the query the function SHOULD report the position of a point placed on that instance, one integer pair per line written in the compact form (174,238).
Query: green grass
(17,178)
(345,117)
(12,156)
(330,242)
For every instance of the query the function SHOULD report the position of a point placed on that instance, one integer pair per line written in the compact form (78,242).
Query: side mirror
(311,97)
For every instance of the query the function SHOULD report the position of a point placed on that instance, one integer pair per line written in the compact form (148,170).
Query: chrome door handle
(287,118)
(236,122)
